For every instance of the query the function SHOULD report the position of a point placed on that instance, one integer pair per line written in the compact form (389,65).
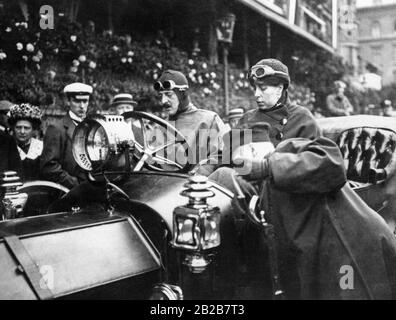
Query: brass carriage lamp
(196,225)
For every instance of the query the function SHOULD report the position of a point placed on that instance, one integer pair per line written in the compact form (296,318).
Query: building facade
(377,38)
(348,43)
(313,20)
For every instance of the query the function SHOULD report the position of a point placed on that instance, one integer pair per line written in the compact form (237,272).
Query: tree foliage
(318,69)
(41,62)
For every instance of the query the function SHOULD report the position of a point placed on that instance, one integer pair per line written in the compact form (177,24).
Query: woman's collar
(34,151)
(279,110)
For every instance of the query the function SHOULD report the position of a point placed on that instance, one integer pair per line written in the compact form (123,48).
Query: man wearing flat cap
(203,129)
(57,162)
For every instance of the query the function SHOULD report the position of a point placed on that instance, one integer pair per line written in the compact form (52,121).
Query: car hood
(159,191)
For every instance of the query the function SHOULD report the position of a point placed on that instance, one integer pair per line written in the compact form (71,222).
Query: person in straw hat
(123,102)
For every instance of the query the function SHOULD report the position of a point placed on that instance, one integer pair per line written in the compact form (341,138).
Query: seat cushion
(368,153)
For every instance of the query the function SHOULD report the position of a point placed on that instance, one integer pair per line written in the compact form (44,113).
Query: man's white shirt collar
(75,118)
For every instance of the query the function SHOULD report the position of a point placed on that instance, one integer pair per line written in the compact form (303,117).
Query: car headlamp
(99,142)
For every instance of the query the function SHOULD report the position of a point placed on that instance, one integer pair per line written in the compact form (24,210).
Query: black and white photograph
(208,152)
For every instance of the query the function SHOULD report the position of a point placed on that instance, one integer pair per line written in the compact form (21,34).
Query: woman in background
(25,120)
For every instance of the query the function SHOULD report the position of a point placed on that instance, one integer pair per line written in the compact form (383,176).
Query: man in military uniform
(57,162)
(203,129)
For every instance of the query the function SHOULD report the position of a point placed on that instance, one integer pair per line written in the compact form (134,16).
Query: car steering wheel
(149,155)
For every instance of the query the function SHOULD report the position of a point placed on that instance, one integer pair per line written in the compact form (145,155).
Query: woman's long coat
(331,244)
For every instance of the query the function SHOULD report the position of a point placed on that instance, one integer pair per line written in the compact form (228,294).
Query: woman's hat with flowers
(25,111)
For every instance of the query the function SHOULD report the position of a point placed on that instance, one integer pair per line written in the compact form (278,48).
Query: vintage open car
(142,227)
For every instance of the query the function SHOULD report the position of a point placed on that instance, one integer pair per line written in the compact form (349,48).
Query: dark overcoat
(9,157)
(286,121)
(57,162)
(324,229)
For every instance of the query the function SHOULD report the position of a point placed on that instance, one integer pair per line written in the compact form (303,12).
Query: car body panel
(78,253)
(159,191)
